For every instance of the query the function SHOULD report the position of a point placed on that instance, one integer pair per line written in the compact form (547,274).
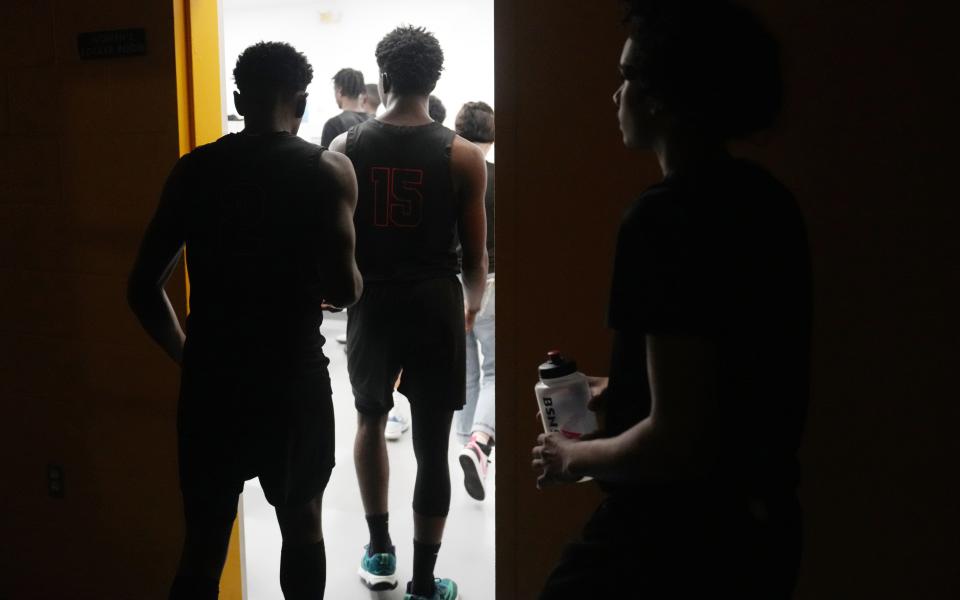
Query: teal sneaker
(444,589)
(379,572)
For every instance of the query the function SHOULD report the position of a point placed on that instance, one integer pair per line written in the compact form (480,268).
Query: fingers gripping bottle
(563,393)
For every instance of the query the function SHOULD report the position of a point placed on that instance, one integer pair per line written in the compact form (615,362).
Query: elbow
(475,264)
(347,293)
(353,293)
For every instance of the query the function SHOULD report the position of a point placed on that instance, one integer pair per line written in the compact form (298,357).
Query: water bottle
(563,393)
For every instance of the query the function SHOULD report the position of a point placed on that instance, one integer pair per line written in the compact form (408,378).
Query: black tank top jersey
(253,220)
(407,210)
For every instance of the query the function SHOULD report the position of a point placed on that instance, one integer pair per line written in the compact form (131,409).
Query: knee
(430,450)
(301,525)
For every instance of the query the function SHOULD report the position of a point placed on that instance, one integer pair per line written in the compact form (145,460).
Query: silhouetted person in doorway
(710,309)
(420,186)
(348,87)
(371,100)
(266,219)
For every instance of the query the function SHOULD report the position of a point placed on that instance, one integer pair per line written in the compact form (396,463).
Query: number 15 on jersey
(397,198)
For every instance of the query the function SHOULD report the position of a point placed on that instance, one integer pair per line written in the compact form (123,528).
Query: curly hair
(350,82)
(711,63)
(475,122)
(266,69)
(438,112)
(412,58)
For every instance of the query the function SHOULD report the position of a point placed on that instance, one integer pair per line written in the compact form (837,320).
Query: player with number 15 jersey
(420,190)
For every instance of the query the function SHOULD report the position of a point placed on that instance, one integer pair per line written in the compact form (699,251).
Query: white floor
(467,554)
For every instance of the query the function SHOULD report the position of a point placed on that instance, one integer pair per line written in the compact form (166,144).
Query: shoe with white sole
(396,425)
(474,463)
(443,589)
(378,571)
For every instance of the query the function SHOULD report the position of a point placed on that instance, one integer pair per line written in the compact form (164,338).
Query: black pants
(682,548)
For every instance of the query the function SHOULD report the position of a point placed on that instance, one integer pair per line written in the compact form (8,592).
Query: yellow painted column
(197,31)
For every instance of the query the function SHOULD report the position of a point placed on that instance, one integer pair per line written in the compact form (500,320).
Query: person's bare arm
(341,280)
(470,182)
(674,442)
(159,253)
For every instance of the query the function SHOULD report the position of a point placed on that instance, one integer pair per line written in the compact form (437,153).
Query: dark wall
(84,149)
(866,145)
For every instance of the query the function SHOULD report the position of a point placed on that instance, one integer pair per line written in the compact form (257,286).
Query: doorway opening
(337,34)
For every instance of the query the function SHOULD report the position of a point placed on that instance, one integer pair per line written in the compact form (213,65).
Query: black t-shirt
(720,254)
(407,211)
(340,123)
(251,208)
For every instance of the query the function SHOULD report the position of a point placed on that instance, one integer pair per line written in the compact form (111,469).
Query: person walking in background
(436,109)
(710,307)
(477,419)
(420,188)
(267,219)
(371,100)
(348,87)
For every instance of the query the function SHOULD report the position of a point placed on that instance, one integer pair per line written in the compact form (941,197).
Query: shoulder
(334,161)
(334,121)
(769,189)
(659,206)
(336,168)
(209,150)
(339,144)
(466,155)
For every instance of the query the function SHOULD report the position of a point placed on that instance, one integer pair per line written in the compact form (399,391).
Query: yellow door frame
(200,121)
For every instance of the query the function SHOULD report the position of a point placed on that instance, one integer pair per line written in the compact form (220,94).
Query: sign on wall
(112,44)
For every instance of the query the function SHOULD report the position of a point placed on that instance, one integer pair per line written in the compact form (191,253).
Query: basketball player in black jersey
(348,90)
(266,219)
(420,187)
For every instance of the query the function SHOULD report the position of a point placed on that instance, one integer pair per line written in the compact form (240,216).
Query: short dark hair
(475,122)
(267,69)
(350,82)
(710,62)
(438,112)
(373,94)
(412,58)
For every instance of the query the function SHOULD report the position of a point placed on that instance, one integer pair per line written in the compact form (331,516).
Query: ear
(301,105)
(386,84)
(655,106)
(239,103)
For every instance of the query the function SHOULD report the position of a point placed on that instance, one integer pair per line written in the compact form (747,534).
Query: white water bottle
(563,393)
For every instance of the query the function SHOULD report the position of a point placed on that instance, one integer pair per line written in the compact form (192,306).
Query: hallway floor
(467,554)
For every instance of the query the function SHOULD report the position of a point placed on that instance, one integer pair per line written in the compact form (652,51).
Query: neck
(682,151)
(407,110)
(270,122)
(351,104)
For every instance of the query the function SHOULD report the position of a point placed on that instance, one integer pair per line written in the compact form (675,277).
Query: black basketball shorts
(416,328)
(237,421)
